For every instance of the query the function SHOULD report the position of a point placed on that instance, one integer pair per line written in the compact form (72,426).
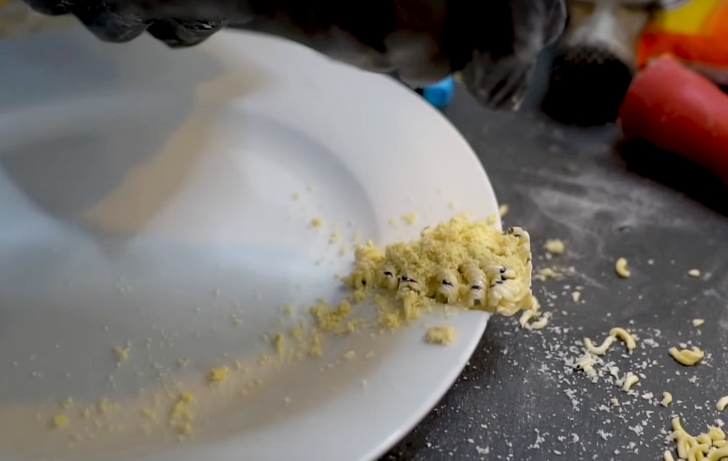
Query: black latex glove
(494,42)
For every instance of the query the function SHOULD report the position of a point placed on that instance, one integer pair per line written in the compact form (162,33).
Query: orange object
(678,110)
(695,32)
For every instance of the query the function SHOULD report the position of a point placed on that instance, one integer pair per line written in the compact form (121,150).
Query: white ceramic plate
(147,198)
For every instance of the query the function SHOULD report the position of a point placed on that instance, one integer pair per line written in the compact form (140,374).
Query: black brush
(594,65)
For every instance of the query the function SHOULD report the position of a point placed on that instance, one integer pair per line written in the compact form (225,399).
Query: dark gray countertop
(517,399)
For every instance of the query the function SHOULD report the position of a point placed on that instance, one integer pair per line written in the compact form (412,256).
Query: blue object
(440,93)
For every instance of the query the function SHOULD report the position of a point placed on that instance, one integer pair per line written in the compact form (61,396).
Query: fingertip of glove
(184,33)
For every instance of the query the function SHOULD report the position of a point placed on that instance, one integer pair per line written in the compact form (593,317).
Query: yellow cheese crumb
(316,223)
(452,205)
(296,196)
(335,235)
(526,317)
(541,323)
(280,344)
(599,350)
(629,380)
(105,406)
(343,250)
(443,335)
(409,218)
(351,355)
(287,309)
(555,247)
(547,273)
(317,347)
(709,446)
(458,262)
(722,403)
(393,222)
(331,319)
(503,210)
(687,357)
(297,333)
(310,188)
(149,413)
(666,399)
(182,363)
(67,403)
(237,321)
(620,267)
(698,322)
(122,354)
(218,374)
(694,273)
(625,336)
(586,363)
(181,416)
(60,421)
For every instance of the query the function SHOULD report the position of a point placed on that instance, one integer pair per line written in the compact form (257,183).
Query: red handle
(680,111)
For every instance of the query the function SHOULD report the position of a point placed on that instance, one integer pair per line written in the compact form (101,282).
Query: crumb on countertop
(620,267)
(555,246)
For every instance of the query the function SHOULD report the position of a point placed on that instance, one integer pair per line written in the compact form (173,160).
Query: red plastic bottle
(680,111)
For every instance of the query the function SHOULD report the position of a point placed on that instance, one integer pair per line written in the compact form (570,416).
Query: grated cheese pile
(458,262)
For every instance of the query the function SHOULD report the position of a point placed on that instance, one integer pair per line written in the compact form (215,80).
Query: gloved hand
(494,42)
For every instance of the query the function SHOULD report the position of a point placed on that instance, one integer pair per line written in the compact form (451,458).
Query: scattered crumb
(599,350)
(443,335)
(237,320)
(629,381)
(316,223)
(296,196)
(694,273)
(351,355)
(666,399)
(393,222)
(698,322)
(60,421)
(452,205)
(555,247)
(218,374)
(687,357)
(122,354)
(576,296)
(541,323)
(625,336)
(503,210)
(287,309)
(335,235)
(409,218)
(722,403)
(279,342)
(547,273)
(620,267)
